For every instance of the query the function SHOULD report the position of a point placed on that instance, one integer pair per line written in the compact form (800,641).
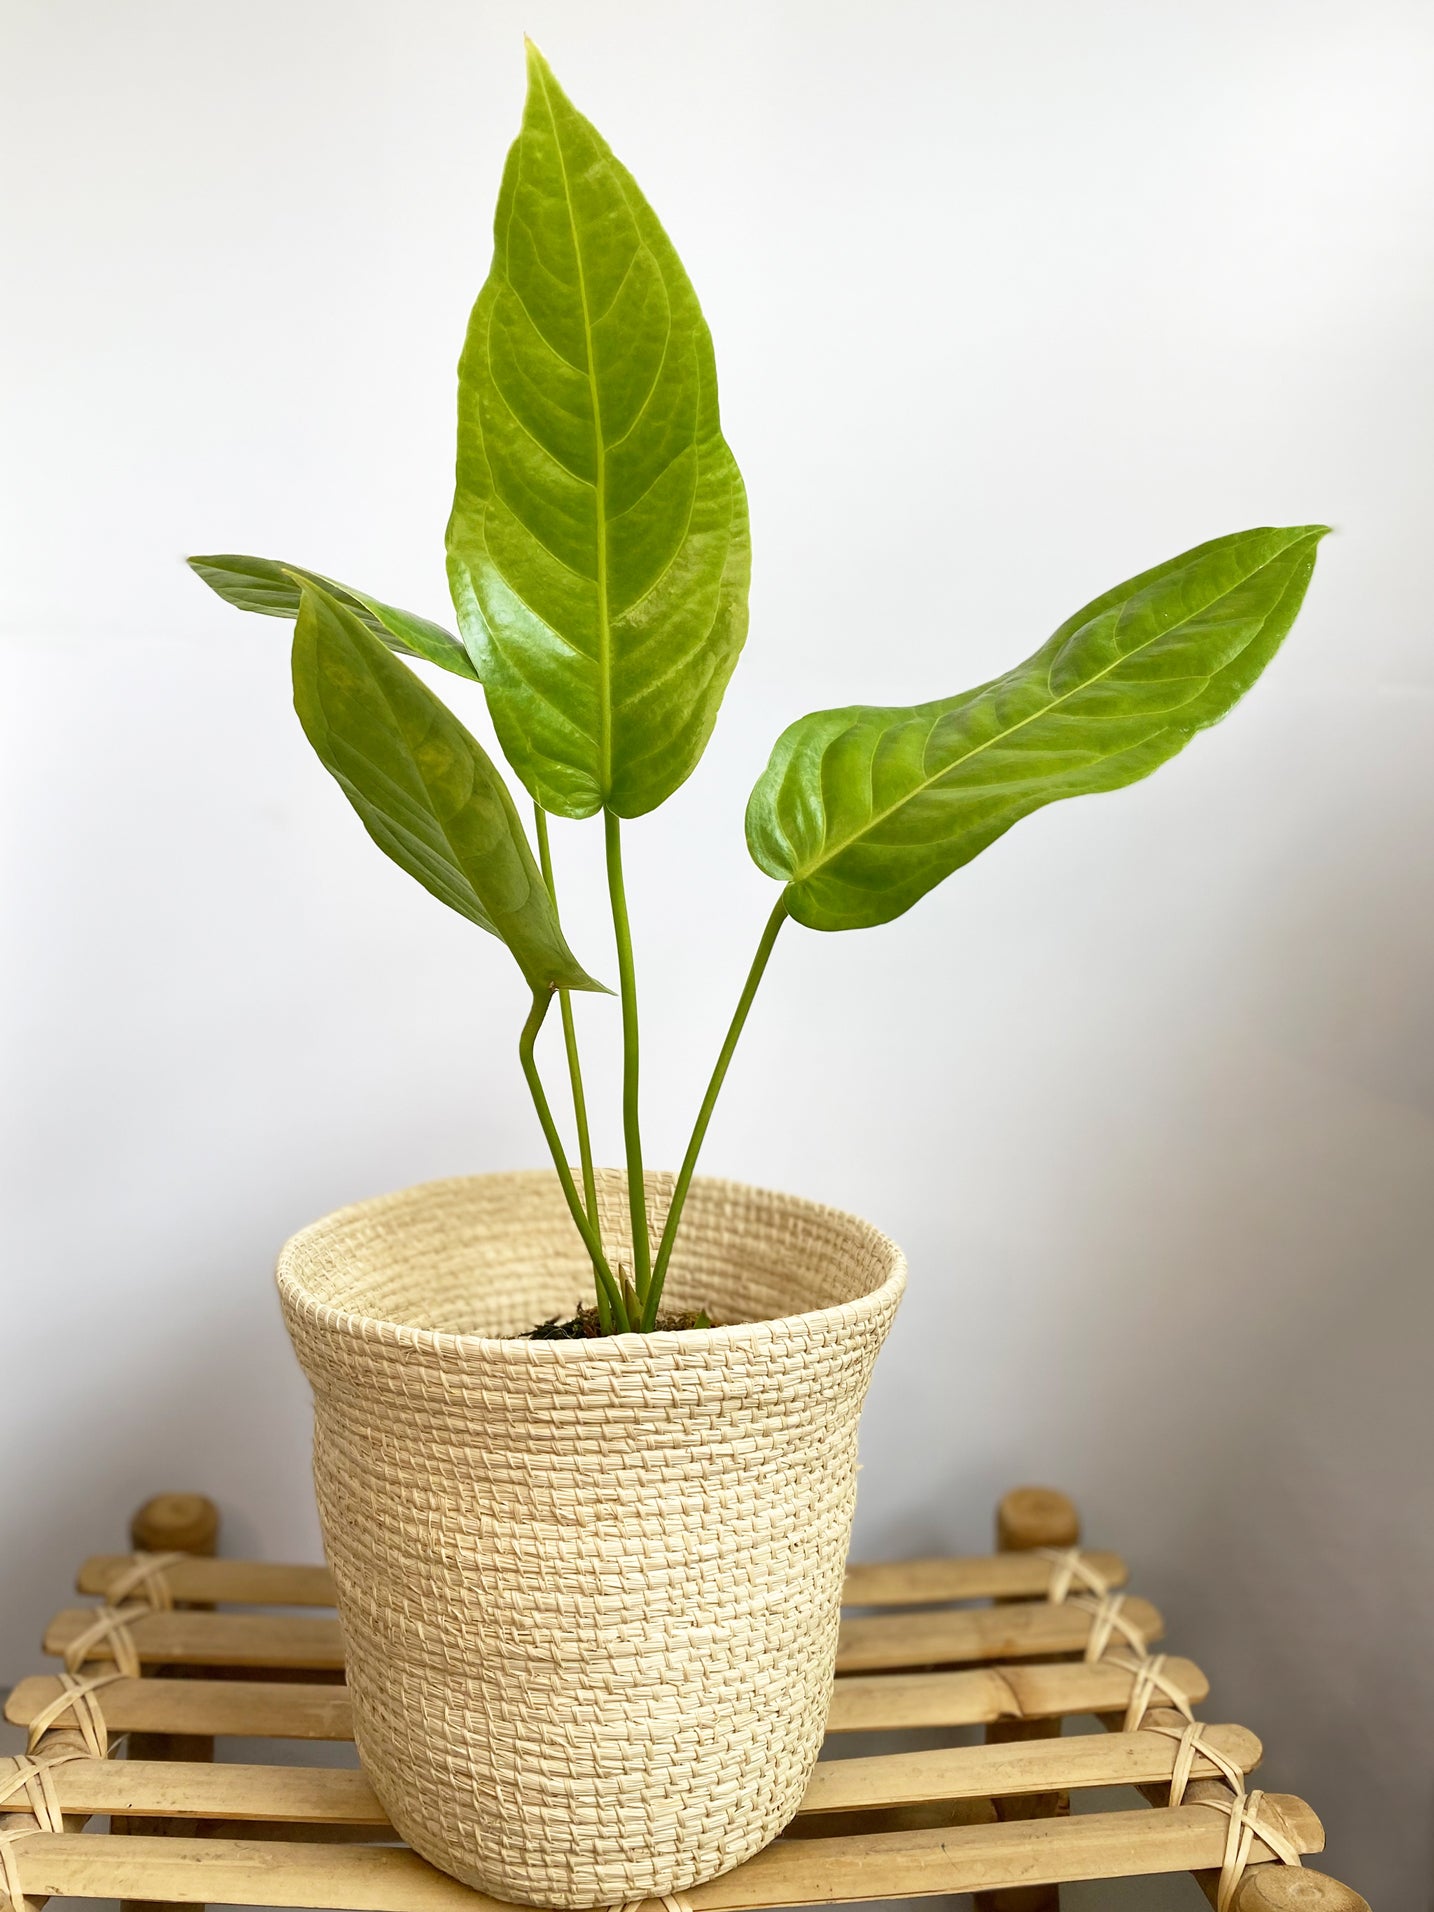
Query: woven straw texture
(589,1589)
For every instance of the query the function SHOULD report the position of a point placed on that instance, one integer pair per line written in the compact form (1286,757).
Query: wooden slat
(1113,1845)
(863,1703)
(242,1583)
(260,1640)
(163,1788)
(909,1583)
(891,1701)
(326,1796)
(942,1636)
(263,1583)
(987,1772)
(788,1872)
(240,1709)
(922,1637)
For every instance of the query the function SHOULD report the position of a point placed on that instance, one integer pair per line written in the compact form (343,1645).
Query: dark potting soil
(586,1325)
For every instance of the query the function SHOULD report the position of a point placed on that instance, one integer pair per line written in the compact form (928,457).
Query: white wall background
(1009,303)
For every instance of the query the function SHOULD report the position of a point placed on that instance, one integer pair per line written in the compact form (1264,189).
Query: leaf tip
(592,986)
(1303,534)
(1307,539)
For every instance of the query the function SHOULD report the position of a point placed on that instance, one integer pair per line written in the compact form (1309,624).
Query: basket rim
(628,1349)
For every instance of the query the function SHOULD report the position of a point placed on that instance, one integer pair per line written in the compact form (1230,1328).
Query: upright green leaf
(862,811)
(272,589)
(598,547)
(427,792)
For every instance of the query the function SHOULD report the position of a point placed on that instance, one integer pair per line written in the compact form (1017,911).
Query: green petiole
(631,1129)
(575,1073)
(607,1288)
(709,1103)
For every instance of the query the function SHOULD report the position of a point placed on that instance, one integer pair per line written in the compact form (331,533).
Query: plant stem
(704,1114)
(607,1287)
(575,1072)
(631,1129)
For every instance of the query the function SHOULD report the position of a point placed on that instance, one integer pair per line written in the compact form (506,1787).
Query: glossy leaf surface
(862,811)
(427,792)
(272,589)
(598,548)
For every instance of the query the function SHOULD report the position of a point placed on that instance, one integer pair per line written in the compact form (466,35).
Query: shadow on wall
(1212,1321)
(1276,1444)
(109,1447)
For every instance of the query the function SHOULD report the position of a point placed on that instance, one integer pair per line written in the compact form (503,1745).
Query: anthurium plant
(598,555)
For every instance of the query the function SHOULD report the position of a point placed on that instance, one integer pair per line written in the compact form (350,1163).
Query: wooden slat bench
(1056,1643)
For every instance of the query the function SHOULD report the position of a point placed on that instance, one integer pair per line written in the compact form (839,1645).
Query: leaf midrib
(599,469)
(878,818)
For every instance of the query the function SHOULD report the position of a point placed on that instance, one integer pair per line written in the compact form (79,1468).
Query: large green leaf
(598,547)
(862,811)
(272,589)
(427,793)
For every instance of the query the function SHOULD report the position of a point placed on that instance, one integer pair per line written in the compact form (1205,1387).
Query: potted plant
(589,1578)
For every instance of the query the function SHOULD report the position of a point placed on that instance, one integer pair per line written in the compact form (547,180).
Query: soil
(586,1325)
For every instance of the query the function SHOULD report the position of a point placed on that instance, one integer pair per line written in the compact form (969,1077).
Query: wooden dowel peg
(1273,1888)
(1031,1517)
(176,1523)
(171,1523)
(1028,1518)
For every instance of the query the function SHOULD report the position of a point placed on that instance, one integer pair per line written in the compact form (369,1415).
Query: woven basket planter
(589,1589)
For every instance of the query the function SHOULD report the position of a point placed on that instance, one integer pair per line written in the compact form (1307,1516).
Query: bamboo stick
(940,1636)
(186,1524)
(160,1788)
(240,1709)
(57,1740)
(176,1523)
(167,1523)
(258,1709)
(1029,1518)
(981,1772)
(788,1872)
(1266,1887)
(1294,1889)
(256,1583)
(902,1583)
(1217,1792)
(874,1584)
(327,1796)
(915,1816)
(920,1637)
(972,1858)
(1016,1691)
(214,1639)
